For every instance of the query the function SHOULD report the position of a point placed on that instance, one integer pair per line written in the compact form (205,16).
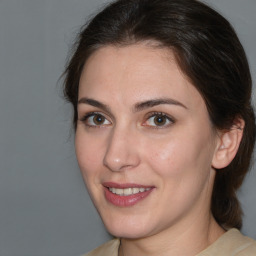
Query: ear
(228,144)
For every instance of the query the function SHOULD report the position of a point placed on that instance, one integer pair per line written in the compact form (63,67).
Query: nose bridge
(120,152)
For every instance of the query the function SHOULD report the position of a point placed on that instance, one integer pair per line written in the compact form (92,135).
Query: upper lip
(124,185)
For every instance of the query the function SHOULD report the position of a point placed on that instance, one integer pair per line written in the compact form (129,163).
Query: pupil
(98,119)
(160,120)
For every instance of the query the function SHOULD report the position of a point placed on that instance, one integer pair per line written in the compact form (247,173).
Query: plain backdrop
(44,206)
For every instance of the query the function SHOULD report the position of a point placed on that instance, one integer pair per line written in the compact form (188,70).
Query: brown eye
(160,120)
(95,119)
(99,119)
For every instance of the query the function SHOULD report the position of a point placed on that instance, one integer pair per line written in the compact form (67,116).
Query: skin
(129,146)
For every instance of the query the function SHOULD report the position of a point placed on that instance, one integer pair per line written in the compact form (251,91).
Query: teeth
(127,191)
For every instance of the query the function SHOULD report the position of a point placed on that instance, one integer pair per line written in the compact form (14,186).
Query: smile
(125,195)
(127,191)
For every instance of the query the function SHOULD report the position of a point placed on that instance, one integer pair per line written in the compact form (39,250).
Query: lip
(125,201)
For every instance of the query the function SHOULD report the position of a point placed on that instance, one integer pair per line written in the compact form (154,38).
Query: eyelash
(171,120)
(85,118)
(162,115)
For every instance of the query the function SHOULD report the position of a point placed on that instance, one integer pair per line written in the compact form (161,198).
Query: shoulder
(240,245)
(248,248)
(231,243)
(108,249)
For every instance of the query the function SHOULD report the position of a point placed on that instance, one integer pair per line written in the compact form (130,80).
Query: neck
(188,240)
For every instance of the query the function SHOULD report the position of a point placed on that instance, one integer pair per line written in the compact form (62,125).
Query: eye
(158,120)
(95,119)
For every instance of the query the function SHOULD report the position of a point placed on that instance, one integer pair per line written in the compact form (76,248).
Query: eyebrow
(94,103)
(155,102)
(138,106)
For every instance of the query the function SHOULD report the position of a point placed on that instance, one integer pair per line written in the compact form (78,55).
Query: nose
(121,153)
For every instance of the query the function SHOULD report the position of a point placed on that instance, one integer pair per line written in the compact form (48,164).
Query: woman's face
(144,141)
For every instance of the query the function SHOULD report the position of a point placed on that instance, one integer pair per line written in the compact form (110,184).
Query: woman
(165,130)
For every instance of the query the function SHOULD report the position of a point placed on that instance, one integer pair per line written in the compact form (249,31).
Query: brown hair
(209,53)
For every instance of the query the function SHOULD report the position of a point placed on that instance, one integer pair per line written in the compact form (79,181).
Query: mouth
(125,195)
(127,191)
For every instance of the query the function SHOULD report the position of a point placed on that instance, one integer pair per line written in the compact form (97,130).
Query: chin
(127,233)
(131,227)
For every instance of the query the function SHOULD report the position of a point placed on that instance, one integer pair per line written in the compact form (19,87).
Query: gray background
(44,206)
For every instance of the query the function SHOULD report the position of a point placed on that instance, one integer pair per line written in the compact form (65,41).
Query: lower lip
(125,201)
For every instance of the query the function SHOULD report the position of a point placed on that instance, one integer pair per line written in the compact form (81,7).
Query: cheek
(88,154)
(181,154)
(163,157)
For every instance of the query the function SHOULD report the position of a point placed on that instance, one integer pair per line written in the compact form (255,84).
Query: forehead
(134,73)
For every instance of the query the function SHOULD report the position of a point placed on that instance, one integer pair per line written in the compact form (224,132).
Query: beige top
(232,243)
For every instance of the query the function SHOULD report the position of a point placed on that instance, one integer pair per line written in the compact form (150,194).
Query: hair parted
(209,53)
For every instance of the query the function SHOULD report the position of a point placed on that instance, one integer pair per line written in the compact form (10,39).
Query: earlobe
(228,144)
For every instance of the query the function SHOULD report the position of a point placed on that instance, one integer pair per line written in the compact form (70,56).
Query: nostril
(121,154)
